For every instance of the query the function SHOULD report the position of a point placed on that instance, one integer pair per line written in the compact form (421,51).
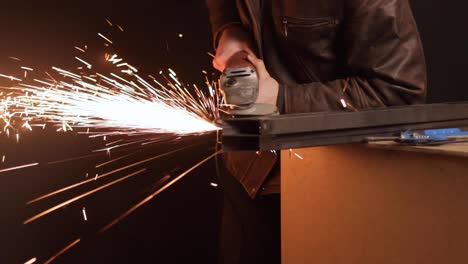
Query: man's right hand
(233,40)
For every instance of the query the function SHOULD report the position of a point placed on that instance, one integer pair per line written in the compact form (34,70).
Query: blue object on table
(446,132)
(432,136)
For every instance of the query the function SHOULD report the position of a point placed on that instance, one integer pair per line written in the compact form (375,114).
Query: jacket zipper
(289,24)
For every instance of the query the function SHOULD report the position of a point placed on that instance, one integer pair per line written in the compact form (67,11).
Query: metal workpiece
(329,128)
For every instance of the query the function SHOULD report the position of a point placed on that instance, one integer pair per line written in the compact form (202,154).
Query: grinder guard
(239,82)
(239,85)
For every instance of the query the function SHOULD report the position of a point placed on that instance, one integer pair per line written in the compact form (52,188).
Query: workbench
(375,203)
(344,201)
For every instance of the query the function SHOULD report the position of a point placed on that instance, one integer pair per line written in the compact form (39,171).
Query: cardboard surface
(456,149)
(355,204)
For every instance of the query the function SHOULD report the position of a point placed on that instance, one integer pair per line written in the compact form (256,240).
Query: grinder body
(240,87)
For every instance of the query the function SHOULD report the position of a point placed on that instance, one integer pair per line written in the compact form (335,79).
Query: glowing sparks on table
(106,174)
(291,152)
(52,209)
(31,261)
(68,247)
(343,103)
(109,102)
(85,216)
(12,78)
(122,102)
(160,190)
(298,156)
(105,38)
(19,167)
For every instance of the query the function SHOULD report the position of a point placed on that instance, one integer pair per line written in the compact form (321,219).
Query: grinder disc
(255,110)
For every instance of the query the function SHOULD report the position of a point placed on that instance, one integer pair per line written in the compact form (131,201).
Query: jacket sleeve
(223,14)
(384,57)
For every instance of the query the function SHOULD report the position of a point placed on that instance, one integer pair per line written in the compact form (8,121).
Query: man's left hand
(268,87)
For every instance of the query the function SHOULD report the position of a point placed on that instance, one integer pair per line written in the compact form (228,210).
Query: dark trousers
(251,230)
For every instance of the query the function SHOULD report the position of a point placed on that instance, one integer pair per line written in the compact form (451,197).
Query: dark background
(182,224)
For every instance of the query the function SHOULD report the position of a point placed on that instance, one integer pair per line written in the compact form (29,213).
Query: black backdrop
(442,27)
(181,224)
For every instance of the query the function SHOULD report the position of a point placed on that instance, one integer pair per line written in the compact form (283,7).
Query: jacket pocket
(310,45)
(306,24)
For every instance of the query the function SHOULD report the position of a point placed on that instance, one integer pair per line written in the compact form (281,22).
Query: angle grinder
(239,85)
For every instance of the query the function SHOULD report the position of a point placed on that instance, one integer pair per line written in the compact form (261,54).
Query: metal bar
(319,129)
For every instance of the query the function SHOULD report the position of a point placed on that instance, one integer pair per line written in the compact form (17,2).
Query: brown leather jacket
(367,52)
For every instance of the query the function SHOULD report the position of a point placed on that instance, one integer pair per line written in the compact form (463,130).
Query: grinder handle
(239,60)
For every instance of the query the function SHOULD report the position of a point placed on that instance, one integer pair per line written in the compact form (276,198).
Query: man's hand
(268,87)
(233,40)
